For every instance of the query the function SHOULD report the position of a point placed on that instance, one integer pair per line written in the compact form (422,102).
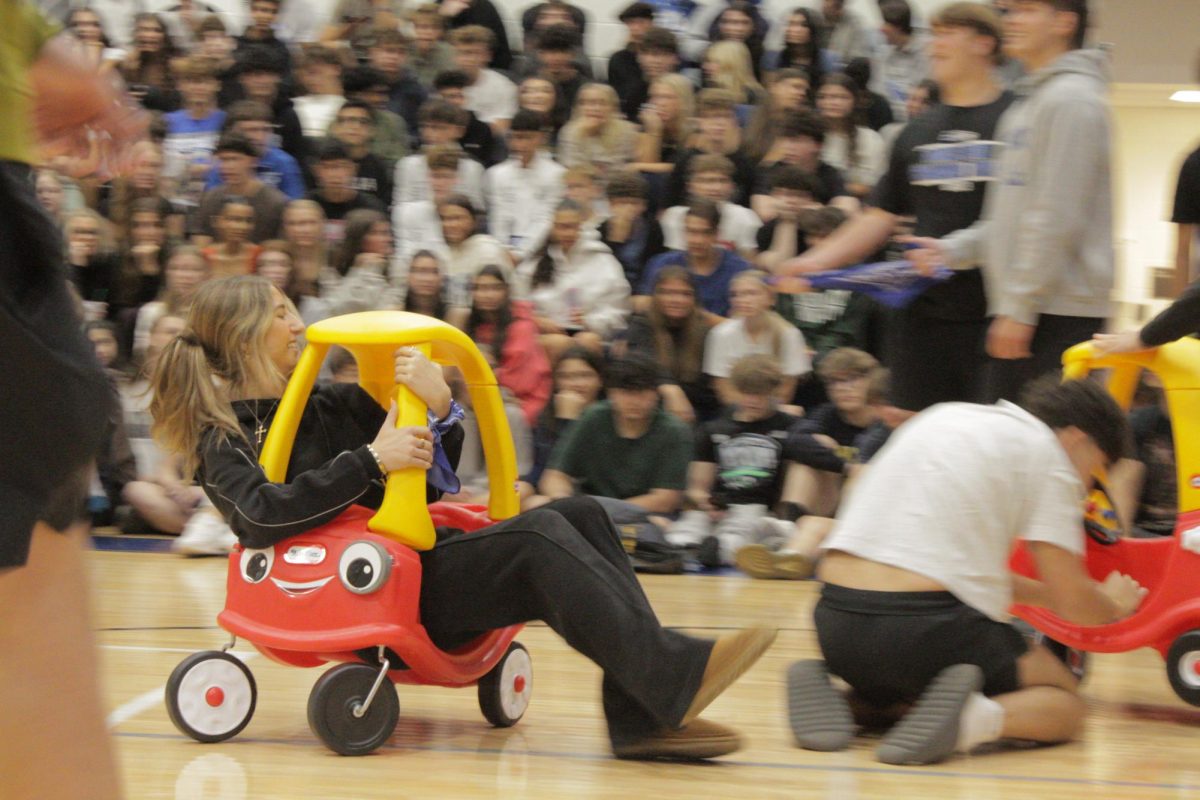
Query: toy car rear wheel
(1183,667)
(211,696)
(504,693)
(338,695)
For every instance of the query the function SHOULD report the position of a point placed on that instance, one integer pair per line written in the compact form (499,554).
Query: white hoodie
(588,278)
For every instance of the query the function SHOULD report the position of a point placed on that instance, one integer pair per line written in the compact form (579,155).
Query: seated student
(320,74)
(335,192)
(856,151)
(717,135)
(624,74)
(185,270)
(712,179)
(354,127)
(755,328)
(799,144)
(825,441)
(558,57)
(597,134)
(391,139)
(477,140)
(564,563)
(828,318)
(793,198)
(625,450)
(357,280)
(575,285)
(304,232)
(667,124)
(143,260)
(787,95)
(159,497)
(92,262)
(505,327)
(630,231)
(712,267)
(578,382)
(728,65)
(416,224)
(583,186)
(430,54)
(260,74)
(237,161)
(491,96)
(673,332)
(441,125)
(790,551)
(232,252)
(466,251)
(387,51)
(656,55)
(274,168)
(261,32)
(523,191)
(193,130)
(424,286)
(538,94)
(735,480)
(275,264)
(937,602)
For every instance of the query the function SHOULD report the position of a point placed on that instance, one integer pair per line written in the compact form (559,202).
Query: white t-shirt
(739,227)
(729,341)
(412,180)
(316,112)
(953,489)
(493,97)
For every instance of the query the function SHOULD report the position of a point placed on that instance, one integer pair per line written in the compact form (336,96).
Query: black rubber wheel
(210,696)
(505,691)
(332,703)
(1183,667)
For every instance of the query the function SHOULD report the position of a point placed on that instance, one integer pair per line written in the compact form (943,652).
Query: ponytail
(188,400)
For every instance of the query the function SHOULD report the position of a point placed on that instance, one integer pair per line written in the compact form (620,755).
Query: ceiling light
(1186,96)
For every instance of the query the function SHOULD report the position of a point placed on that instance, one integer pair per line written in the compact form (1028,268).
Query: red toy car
(343,592)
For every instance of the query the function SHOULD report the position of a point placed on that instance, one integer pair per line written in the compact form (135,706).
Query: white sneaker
(205,534)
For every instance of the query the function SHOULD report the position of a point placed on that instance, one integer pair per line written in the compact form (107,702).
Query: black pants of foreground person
(564,564)
(55,400)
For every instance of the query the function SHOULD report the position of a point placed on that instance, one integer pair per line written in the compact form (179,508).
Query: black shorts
(56,401)
(934,360)
(889,645)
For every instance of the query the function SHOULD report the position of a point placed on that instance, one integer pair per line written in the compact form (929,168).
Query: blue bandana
(893,283)
(441,474)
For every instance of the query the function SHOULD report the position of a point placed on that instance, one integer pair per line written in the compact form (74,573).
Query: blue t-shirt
(276,169)
(711,290)
(190,140)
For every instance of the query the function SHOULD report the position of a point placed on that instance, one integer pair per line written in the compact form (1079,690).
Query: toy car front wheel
(335,710)
(504,692)
(210,696)
(1183,667)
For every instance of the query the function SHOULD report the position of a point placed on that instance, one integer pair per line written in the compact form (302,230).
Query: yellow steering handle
(372,337)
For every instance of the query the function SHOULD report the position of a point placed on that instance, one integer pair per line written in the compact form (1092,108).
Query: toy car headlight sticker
(305,554)
(364,567)
(256,564)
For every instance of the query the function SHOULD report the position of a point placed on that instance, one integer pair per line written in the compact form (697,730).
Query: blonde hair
(735,70)
(105,241)
(777,325)
(685,92)
(216,357)
(612,131)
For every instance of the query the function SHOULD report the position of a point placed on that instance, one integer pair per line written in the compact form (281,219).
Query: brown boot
(731,656)
(698,739)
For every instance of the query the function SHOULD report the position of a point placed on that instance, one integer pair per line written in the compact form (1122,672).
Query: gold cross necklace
(260,429)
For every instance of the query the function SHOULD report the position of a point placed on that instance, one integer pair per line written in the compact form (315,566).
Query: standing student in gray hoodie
(1046,235)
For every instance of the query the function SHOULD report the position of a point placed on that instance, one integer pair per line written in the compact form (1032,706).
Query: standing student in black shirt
(335,192)
(940,165)
(354,127)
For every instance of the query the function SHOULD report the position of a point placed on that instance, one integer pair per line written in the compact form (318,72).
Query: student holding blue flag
(939,168)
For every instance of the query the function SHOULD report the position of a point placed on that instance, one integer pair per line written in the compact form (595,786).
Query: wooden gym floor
(154,608)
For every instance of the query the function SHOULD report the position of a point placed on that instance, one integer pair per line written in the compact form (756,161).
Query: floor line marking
(146,701)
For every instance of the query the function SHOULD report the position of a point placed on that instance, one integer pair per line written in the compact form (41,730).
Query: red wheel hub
(519,682)
(215,696)
(1196,667)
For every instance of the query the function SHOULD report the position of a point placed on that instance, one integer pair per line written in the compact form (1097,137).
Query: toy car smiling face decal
(297,570)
